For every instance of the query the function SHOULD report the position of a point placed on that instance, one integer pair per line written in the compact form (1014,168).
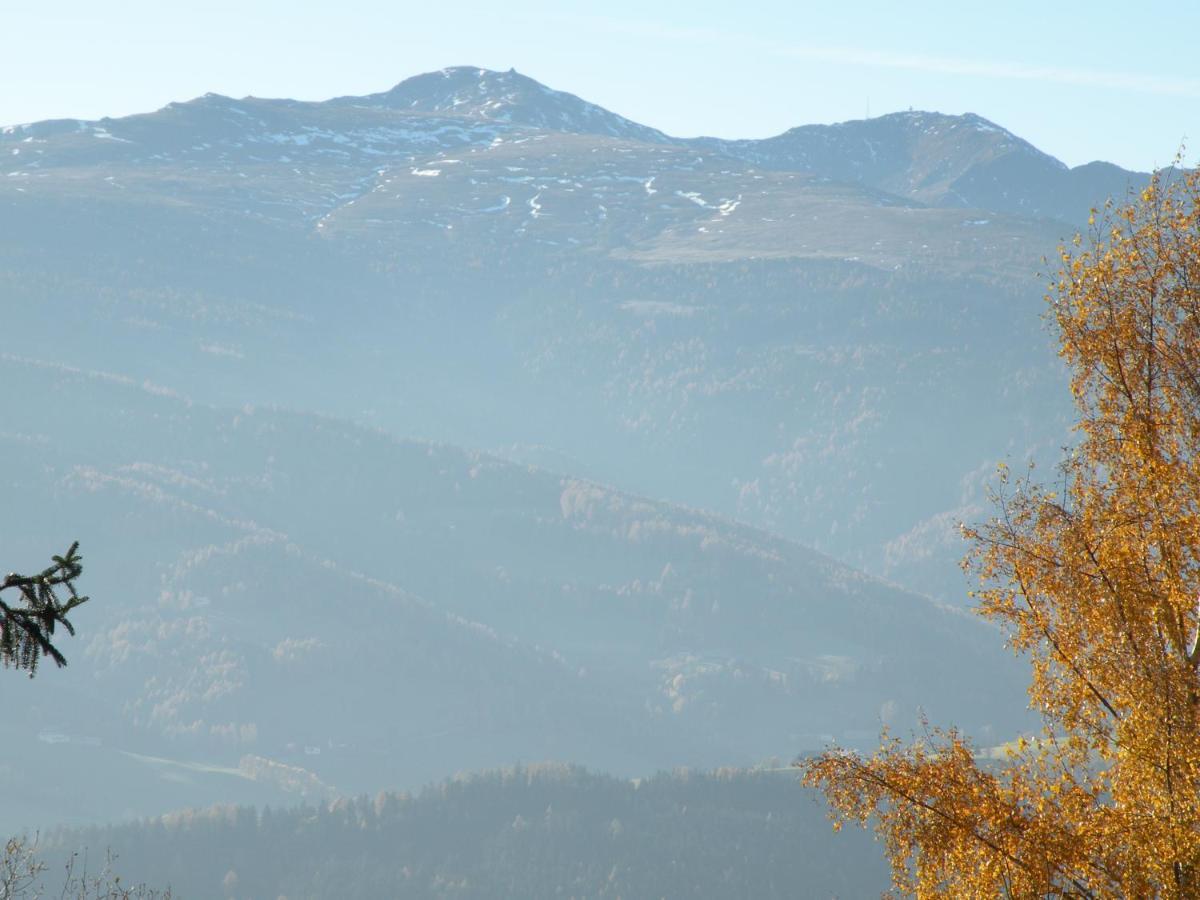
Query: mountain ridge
(937,159)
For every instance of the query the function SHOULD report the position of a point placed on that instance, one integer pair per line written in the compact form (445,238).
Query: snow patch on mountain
(507,97)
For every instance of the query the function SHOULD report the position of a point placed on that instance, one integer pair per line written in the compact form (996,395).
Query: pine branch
(27,626)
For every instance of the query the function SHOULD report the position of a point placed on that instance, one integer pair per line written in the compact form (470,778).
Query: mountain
(528,832)
(637,451)
(288,605)
(941,160)
(933,159)
(505,97)
(809,350)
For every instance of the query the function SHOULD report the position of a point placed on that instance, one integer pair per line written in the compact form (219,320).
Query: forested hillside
(529,832)
(295,606)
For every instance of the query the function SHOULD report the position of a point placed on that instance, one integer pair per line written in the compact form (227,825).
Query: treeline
(541,831)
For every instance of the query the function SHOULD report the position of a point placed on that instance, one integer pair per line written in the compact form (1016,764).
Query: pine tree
(28,626)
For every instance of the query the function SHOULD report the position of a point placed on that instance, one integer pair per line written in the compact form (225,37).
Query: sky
(1119,82)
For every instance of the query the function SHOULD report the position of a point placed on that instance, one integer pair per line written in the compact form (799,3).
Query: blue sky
(1103,80)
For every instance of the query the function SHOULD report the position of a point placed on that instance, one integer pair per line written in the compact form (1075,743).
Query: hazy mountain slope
(584,195)
(364,611)
(941,160)
(543,831)
(809,355)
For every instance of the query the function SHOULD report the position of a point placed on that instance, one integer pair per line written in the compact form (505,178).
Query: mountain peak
(922,124)
(930,157)
(508,97)
(920,129)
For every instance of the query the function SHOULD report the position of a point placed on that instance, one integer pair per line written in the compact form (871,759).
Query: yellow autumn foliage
(1098,584)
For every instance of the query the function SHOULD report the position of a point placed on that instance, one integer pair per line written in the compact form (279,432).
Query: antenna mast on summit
(868,107)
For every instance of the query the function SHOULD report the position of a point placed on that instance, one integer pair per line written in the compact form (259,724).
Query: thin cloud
(913,62)
(948,65)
